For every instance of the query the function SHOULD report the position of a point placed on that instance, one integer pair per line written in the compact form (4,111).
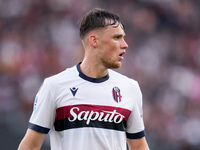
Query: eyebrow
(119,35)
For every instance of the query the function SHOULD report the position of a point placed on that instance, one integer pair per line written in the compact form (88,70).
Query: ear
(93,40)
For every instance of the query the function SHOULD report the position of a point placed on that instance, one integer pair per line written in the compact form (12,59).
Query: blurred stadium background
(39,38)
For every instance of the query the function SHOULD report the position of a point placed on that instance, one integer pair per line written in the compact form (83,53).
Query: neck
(93,70)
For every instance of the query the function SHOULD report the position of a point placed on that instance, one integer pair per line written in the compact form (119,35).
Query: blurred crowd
(39,38)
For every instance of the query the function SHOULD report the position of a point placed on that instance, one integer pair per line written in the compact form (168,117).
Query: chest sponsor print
(77,116)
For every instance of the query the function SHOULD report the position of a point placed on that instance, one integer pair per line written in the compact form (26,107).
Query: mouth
(121,55)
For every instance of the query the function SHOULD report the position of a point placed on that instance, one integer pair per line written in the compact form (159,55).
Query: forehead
(113,29)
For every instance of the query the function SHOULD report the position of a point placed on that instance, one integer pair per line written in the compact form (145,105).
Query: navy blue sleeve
(135,135)
(38,128)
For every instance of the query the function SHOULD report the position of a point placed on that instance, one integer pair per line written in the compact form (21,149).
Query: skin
(32,140)
(104,49)
(138,144)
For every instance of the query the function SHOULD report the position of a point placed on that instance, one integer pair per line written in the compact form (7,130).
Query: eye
(117,37)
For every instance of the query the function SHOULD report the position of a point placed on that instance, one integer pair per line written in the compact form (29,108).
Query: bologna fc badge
(116,94)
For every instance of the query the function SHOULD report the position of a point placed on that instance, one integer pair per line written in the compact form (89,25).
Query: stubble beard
(110,64)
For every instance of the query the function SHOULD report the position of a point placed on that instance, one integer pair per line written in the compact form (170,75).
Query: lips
(121,55)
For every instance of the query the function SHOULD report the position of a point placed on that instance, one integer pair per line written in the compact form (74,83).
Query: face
(111,46)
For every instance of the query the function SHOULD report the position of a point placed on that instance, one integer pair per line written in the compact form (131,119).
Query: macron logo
(74,90)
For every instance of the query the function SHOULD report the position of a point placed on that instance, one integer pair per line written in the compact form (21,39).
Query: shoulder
(128,86)
(120,77)
(128,83)
(58,80)
(64,75)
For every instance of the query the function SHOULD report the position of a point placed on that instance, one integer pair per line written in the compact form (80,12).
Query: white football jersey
(83,113)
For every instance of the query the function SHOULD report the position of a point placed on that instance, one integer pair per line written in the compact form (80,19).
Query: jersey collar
(94,80)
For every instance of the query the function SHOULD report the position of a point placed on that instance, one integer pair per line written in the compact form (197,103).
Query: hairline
(110,22)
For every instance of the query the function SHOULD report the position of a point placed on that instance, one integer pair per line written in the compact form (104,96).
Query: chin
(114,66)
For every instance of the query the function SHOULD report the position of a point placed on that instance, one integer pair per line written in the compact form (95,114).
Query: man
(90,106)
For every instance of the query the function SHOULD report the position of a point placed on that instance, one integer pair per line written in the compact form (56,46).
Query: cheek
(109,53)
(110,47)
(107,48)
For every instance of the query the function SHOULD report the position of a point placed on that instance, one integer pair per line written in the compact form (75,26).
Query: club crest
(116,94)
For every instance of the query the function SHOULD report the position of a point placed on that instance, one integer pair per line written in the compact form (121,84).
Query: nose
(124,45)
